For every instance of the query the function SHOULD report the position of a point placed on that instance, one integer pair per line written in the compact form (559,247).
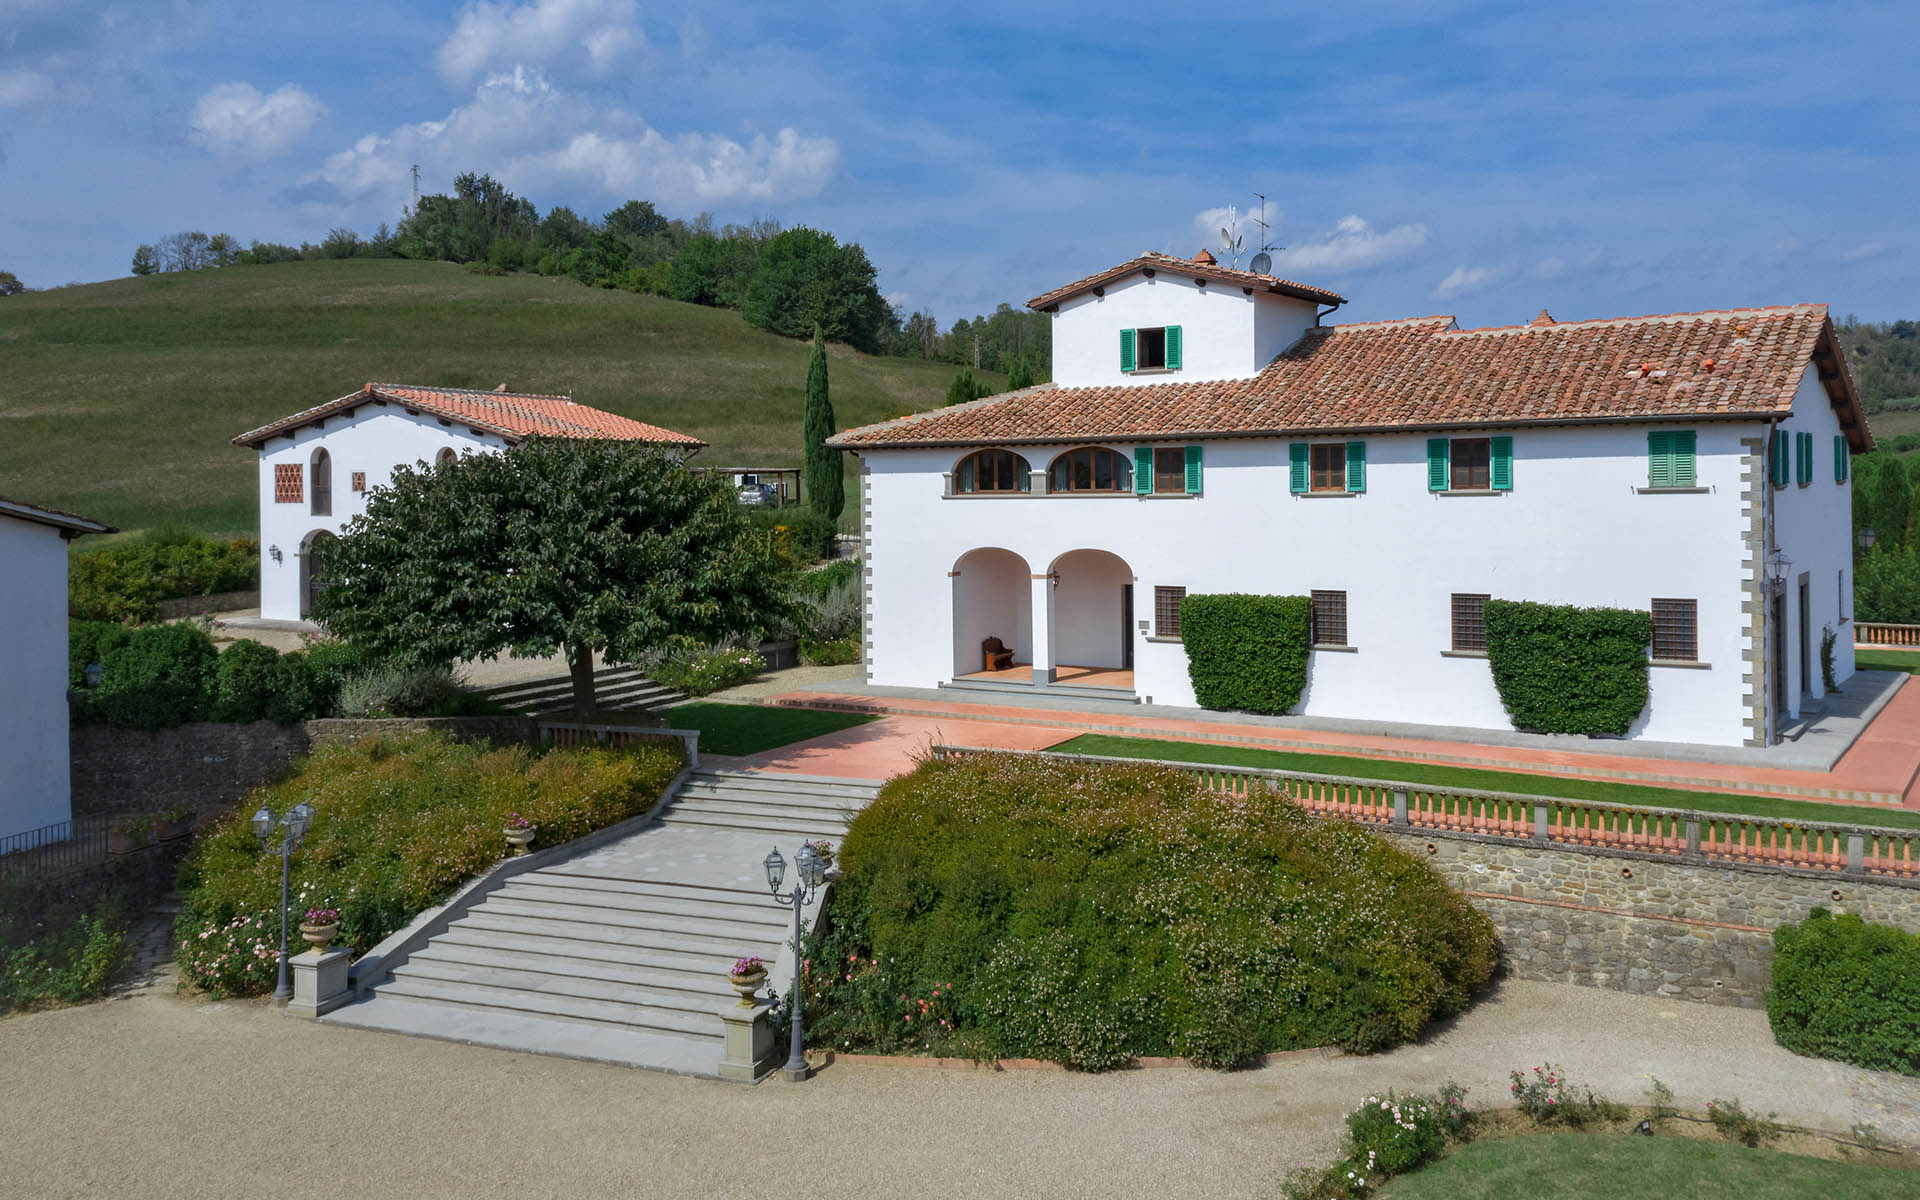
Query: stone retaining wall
(193,606)
(1699,932)
(207,765)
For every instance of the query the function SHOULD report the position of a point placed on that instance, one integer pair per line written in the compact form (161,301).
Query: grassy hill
(118,399)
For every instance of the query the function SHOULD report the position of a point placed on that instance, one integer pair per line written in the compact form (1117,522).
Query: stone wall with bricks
(1693,931)
(207,766)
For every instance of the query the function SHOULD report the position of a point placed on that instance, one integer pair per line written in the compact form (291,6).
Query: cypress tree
(1020,375)
(824,468)
(963,388)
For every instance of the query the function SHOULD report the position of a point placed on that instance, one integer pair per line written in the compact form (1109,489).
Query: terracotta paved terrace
(1884,760)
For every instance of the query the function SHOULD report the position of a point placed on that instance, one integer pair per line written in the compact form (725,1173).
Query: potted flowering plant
(129,835)
(174,821)
(520,832)
(824,849)
(319,927)
(747,976)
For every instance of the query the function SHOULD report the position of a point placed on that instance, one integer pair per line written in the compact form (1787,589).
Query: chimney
(1205,259)
(1545,318)
(501,388)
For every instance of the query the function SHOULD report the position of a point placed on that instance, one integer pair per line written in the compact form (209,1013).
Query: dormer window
(1150,349)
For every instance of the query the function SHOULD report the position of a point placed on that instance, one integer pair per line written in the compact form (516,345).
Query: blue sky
(1485,160)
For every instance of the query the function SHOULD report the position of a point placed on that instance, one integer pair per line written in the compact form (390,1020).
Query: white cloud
(1353,245)
(1864,251)
(492,35)
(19,88)
(237,123)
(1467,279)
(519,127)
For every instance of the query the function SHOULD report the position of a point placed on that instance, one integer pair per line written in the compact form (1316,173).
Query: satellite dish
(1262,264)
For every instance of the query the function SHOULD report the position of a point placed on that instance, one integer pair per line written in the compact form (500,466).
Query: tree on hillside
(554,545)
(826,482)
(563,230)
(10,284)
(807,279)
(1892,505)
(965,387)
(145,260)
(713,270)
(1020,374)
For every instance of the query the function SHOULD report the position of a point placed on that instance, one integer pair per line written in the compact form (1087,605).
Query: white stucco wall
(34,769)
(1813,528)
(1225,333)
(1574,530)
(375,440)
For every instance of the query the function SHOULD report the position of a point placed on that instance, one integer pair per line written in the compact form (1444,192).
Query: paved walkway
(1883,761)
(167,1096)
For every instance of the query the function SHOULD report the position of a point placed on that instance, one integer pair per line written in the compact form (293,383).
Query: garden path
(173,1096)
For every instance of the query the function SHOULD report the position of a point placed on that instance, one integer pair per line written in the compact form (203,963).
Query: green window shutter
(1839,458)
(1126,349)
(1436,464)
(1779,449)
(1806,458)
(1356,466)
(1296,467)
(1659,460)
(1680,457)
(1173,347)
(1500,469)
(1193,470)
(1142,469)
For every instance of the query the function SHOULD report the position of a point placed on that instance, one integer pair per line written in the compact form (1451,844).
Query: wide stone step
(604,677)
(672,913)
(708,897)
(558,1007)
(772,810)
(797,785)
(755,824)
(830,806)
(707,983)
(693,964)
(577,987)
(708,928)
(721,950)
(502,1029)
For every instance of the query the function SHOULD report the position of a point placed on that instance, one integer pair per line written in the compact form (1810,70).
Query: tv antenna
(1262,263)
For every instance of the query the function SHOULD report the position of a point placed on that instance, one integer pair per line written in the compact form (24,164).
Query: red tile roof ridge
(925,415)
(1705,314)
(1161,259)
(1395,323)
(454,391)
(510,415)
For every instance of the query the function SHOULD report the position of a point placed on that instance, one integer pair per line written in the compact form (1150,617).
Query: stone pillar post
(750,1052)
(1400,808)
(319,982)
(1856,852)
(1042,630)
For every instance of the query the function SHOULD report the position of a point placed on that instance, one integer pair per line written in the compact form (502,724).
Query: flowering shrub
(749,965)
(1386,1136)
(1738,1125)
(700,670)
(322,916)
(66,965)
(1091,914)
(1547,1097)
(398,825)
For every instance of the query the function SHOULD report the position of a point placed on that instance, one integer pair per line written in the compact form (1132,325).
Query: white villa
(317,466)
(1206,433)
(36,798)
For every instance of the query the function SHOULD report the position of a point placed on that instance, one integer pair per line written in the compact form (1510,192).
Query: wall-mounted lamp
(1777,566)
(274,553)
(1865,537)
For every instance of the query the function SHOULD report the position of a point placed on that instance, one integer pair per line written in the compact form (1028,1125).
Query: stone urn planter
(748,976)
(519,833)
(319,927)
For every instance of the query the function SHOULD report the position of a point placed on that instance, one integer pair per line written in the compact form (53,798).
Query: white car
(757,493)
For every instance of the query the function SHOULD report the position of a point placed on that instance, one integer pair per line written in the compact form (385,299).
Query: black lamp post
(811,870)
(292,828)
(1865,538)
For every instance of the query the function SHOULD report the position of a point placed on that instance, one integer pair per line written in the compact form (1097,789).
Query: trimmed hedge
(158,676)
(130,579)
(1247,653)
(1563,669)
(1006,906)
(1847,990)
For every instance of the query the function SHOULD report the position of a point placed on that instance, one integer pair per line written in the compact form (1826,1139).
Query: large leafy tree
(805,279)
(572,546)
(826,489)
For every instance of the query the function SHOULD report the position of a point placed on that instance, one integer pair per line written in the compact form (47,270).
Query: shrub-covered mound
(399,825)
(131,578)
(1848,990)
(1019,907)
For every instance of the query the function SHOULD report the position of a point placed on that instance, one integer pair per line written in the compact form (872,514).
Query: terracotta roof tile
(1426,373)
(511,415)
(1191,268)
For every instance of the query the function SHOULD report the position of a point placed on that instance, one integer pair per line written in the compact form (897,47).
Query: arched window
(322,483)
(444,458)
(1091,469)
(992,471)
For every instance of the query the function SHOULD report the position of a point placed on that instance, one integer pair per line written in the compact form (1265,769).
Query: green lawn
(118,399)
(751,728)
(1888,660)
(1592,1166)
(1464,778)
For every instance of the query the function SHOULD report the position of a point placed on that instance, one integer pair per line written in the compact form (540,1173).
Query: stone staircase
(622,689)
(620,953)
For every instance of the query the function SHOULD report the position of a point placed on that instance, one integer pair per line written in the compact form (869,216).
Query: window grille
(1166,610)
(1676,630)
(1470,623)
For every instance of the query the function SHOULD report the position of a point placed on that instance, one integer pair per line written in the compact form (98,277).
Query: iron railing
(1682,835)
(52,851)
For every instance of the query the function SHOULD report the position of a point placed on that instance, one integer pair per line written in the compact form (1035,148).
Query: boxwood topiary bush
(1562,669)
(1025,907)
(400,823)
(154,676)
(1847,990)
(1247,653)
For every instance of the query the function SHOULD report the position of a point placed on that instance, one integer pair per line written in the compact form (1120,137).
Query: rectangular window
(359,481)
(1166,611)
(1149,349)
(1470,623)
(1670,458)
(1329,619)
(1840,601)
(1471,464)
(1676,630)
(1329,467)
(286,483)
(1170,471)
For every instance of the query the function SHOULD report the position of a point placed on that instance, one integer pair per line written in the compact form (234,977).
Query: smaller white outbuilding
(317,466)
(36,802)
